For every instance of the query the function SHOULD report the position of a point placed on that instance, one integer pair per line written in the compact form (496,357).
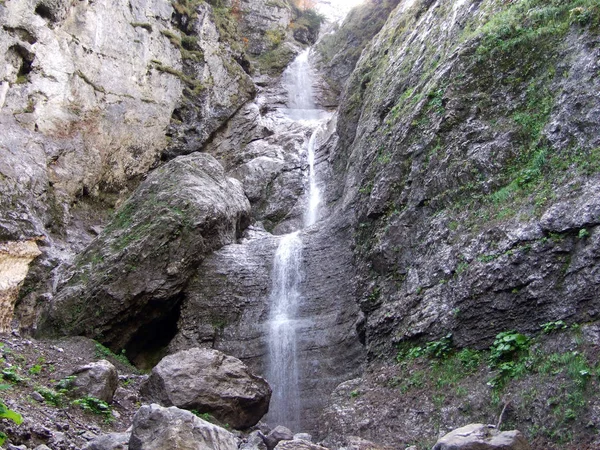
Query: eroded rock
(14,265)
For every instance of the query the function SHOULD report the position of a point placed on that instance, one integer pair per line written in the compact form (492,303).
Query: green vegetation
(105,352)
(146,26)
(95,406)
(11,375)
(533,24)
(517,369)
(7,413)
(52,397)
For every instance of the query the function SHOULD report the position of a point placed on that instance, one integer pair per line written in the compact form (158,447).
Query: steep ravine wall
(467,153)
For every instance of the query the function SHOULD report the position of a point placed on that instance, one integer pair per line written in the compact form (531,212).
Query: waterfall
(283,373)
(313,190)
(285,299)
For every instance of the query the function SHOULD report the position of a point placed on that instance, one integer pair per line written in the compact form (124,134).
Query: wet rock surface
(228,307)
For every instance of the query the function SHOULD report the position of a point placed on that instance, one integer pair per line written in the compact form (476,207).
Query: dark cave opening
(23,59)
(149,344)
(45,12)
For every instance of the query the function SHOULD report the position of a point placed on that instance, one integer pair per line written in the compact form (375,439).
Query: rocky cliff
(467,154)
(454,274)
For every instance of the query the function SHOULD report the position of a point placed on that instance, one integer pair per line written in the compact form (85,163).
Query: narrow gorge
(300,225)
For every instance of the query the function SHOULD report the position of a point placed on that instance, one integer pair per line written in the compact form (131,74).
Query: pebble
(37,397)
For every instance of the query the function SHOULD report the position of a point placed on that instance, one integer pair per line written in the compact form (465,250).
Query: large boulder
(482,437)
(210,382)
(127,282)
(98,379)
(158,428)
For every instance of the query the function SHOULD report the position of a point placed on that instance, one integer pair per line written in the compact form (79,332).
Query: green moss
(194,84)
(146,26)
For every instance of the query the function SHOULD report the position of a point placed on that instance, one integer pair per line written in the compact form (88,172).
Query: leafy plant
(549,327)
(507,345)
(95,406)
(66,383)
(35,369)
(7,413)
(583,233)
(10,374)
(51,396)
(103,352)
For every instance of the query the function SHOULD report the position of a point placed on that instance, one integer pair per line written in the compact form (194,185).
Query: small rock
(482,437)
(111,441)
(298,444)
(254,441)
(42,447)
(279,433)
(16,447)
(303,437)
(37,397)
(88,435)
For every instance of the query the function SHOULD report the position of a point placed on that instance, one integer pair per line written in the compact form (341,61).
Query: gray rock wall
(226,306)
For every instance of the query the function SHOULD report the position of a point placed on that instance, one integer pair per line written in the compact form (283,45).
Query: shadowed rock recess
(148,150)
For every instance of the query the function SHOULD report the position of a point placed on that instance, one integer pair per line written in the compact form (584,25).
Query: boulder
(128,281)
(482,437)
(254,441)
(98,379)
(112,441)
(278,434)
(209,381)
(158,428)
(298,444)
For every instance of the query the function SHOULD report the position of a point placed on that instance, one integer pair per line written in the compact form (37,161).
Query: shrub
(506,346)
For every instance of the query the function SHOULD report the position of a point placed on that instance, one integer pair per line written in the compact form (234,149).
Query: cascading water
(284,373)
(314,195)
(283,358)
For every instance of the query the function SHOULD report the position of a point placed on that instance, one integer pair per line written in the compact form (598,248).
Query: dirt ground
(30,372)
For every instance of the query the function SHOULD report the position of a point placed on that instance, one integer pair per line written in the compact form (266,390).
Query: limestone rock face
(98,379)
(131,275)
(83,112)
(258,18)
(430,207)
(482,437)
(14,265)
(209,381)
(337,53)
(158,428)
(222,86)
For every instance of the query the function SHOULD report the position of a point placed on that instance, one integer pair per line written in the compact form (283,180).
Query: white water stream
(284,373)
